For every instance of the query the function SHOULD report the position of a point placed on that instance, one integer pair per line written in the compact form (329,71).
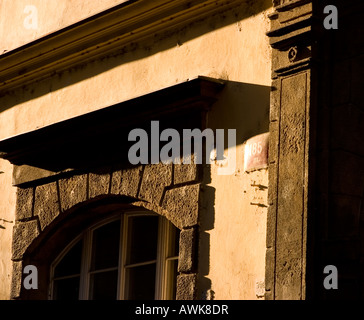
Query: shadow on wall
(241,106)
(244,107)
(137,51)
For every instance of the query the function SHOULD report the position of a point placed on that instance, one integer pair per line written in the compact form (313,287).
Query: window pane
(142,239)
(71,262)
(140,282)
(103,285)
(66,289)
(105,246)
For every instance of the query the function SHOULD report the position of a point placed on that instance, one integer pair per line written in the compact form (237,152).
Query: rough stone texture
(186,258)
(46,203)
(16,280)
(155,178)
(73,190)
(23,235)
(186,287)
(186,172)
(116,179)
(290,189)
(126,182)
(182,205)
(130,181)
(24,203)
(286,221)
(99,182)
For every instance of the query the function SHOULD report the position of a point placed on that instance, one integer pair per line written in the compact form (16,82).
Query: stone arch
(170,190)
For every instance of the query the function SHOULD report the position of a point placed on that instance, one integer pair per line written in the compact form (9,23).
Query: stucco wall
(230,46)
(52,15)
(7,214)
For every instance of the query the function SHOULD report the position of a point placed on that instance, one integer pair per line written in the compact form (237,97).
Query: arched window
(130,256)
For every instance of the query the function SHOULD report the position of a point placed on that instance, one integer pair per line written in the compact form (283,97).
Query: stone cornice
(98,36)
(289,21)
(291,37)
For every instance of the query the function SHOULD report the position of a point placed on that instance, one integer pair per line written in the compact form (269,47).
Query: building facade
(103,195)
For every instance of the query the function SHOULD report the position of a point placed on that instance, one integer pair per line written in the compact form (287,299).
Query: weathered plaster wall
(233,239)
(231,46)
(7,214)
(52,15)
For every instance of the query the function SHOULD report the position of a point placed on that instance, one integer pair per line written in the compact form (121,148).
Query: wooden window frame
(163,285)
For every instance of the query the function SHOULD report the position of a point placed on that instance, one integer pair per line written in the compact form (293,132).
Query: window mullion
(123,248)
(120,291)
(85,267)
(161,254)
(140,264)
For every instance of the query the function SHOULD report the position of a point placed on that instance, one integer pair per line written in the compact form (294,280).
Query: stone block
(288,284)
(130,181)
(273,141)
(16,279)
(23,235)
(46,203)
(24,203)
(273,177)
(186,172)
(275,103)
(73,190)
(155,178)
(126,182)
(186,287)
(116,178)
(181,204)
(187,241)
(99,182)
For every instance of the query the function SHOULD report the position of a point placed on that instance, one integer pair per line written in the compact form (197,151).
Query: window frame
(165,232)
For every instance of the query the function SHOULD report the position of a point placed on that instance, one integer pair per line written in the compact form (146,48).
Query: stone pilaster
(290,38)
